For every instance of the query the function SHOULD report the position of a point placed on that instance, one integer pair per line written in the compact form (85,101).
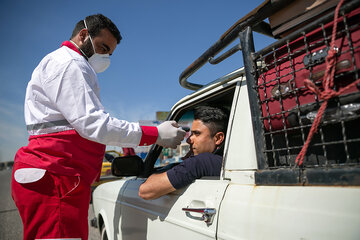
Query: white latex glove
(169,134)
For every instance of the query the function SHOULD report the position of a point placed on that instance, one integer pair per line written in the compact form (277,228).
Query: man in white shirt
(69,129)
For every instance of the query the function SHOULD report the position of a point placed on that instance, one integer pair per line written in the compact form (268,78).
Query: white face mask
(99,62)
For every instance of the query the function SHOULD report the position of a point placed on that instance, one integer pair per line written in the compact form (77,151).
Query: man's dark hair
(95,24)
(215,118)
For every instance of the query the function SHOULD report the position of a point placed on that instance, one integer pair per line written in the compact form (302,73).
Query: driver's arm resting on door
(183,174)
(156,186)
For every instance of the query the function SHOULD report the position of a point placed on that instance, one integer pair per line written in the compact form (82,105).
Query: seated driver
(205,156)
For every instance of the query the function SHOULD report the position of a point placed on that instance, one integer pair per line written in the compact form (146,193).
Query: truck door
(165,218)
(188,213)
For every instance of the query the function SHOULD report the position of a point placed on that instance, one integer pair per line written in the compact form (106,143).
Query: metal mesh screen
(288,107)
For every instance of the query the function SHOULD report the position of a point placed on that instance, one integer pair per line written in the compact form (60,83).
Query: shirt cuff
(149,135)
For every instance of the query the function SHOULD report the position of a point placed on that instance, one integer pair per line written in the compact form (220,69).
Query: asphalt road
(10,221)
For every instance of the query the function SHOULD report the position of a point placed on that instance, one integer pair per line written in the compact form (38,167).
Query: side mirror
(127,166)
(109,157)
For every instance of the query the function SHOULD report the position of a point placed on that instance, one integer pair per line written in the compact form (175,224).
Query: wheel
(103,233)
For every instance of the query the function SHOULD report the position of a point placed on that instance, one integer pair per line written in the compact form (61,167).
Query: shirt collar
(71,46)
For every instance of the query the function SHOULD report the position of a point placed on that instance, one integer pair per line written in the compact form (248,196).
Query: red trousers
(54,207)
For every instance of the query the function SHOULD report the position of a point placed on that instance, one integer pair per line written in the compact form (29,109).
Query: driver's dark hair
(215,118)
(95,24)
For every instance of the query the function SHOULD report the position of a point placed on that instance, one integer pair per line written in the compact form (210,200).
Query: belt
(44,125)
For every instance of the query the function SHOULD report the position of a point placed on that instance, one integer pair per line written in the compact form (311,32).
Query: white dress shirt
(63,94)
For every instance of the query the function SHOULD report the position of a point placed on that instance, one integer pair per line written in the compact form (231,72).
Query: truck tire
(103,233)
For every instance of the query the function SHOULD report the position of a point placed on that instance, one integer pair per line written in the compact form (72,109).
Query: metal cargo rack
(333,157)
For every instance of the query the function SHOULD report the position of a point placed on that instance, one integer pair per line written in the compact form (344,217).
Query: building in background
(6,165)
(161,116)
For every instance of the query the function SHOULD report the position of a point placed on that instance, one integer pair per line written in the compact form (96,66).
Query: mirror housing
(127,166)
(109,157)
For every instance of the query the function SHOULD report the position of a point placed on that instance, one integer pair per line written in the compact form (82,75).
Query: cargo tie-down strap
(328,83)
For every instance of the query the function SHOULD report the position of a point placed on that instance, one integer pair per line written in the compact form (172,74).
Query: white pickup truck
(263,192)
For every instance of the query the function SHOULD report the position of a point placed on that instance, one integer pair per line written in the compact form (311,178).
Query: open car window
(166,158)
(169,155)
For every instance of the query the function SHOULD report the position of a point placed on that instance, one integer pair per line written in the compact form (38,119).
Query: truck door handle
(207,213)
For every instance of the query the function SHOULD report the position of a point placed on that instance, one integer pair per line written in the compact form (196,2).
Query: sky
(160,40)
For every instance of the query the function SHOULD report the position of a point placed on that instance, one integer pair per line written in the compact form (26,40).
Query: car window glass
(169,155)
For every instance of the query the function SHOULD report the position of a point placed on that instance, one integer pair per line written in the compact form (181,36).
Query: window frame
(176,114)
